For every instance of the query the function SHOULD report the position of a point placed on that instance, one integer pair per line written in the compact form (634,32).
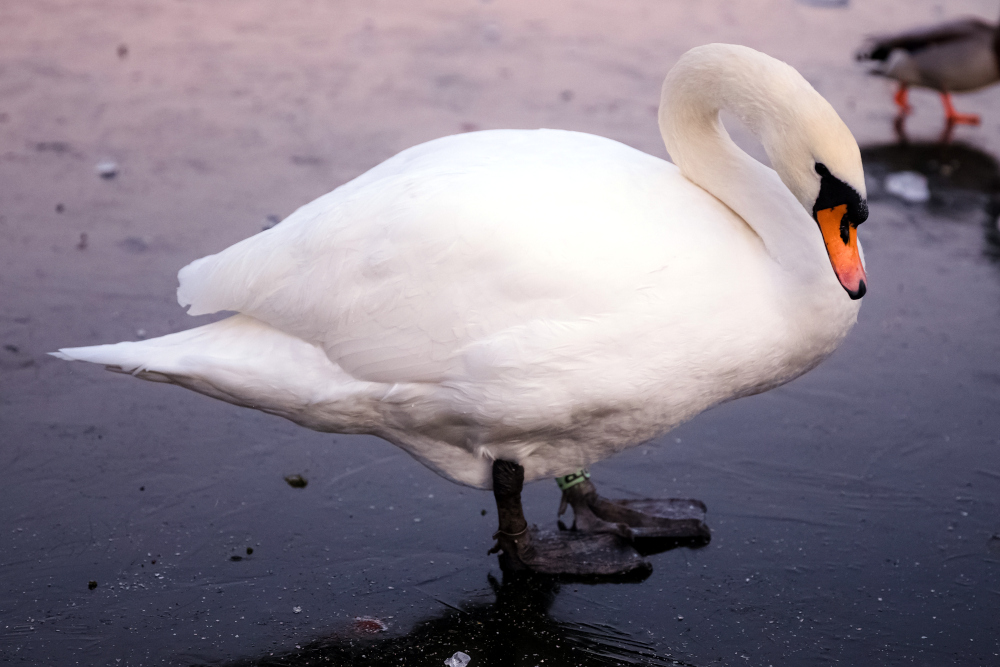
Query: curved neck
(763,94)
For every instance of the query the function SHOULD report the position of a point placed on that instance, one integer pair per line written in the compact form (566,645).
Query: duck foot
(902,101)
(654,525)
(952,117)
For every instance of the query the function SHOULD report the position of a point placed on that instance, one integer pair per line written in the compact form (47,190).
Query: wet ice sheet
(854,511)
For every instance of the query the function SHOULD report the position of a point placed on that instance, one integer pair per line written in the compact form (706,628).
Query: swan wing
(396,273)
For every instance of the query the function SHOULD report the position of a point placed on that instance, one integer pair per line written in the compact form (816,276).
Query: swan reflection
(515,629)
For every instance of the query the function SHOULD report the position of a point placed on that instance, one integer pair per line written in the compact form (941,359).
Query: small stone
(107,169)
(296,481)
(92,584)
(492,33)
(369,625)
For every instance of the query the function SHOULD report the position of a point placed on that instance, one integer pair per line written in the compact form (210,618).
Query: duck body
(543,298)
(954,57)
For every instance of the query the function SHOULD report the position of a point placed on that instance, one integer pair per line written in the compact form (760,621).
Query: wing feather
(398,272)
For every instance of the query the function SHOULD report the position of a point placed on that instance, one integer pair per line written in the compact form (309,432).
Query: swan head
(810,147)
(821,165)
(818,160)
(838,210)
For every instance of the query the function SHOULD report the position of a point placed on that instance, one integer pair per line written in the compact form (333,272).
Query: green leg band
(572,479)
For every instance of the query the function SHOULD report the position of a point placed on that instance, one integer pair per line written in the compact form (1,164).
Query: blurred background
(854,511)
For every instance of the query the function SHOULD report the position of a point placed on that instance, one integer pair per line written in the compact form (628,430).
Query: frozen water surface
(854,511)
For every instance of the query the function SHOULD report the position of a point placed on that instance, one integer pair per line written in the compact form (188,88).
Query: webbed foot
(578,555)
(674,520)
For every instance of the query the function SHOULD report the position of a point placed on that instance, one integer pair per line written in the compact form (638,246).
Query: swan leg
(953,117)
(676,520)
(527,549)
(512,536)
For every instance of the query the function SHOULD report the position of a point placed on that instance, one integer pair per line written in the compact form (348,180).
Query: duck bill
(841,239)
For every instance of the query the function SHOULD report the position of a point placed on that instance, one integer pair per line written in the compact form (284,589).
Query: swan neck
(763,93)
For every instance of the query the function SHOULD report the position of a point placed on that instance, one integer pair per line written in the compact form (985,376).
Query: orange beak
(841,240)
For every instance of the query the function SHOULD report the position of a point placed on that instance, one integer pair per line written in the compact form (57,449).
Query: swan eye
(834,192)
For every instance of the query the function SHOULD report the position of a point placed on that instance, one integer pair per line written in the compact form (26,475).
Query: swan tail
(242,361)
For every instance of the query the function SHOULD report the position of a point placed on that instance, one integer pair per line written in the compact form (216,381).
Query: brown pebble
(296,481)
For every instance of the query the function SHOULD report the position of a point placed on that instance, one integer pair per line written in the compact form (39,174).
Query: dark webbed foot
(678,520)
(576,554)
(562,553)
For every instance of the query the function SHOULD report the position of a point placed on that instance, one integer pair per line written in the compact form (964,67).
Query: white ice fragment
(909,186)
(458,660)
(296,610)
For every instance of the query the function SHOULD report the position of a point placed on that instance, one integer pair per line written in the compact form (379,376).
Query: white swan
(545,298)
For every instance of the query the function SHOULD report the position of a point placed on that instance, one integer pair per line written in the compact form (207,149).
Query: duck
(953,57)
(515,305)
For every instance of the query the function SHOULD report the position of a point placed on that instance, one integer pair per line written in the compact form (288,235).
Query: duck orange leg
(955,118)
(901,98)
